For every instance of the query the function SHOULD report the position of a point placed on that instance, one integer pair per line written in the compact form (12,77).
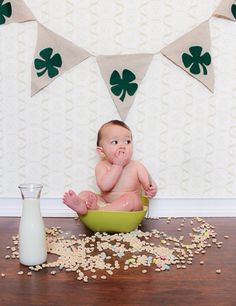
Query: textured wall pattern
(185,135)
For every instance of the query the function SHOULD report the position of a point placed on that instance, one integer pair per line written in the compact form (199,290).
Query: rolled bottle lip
(30,186)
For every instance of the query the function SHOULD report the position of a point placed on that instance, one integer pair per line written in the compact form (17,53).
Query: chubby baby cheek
(130,153)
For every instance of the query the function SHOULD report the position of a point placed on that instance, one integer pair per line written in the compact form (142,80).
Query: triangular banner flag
(123,75)
(14,11)
(226,9)
(192,52)
(53,56)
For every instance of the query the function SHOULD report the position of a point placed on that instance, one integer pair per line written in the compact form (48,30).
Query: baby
(119,178)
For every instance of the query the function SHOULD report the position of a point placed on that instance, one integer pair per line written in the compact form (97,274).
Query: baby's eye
(114,142)
(128,141)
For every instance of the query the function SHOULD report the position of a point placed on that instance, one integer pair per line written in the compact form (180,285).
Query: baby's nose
(121,146)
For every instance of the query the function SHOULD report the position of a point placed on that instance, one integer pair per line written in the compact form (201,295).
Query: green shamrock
(123,84)
(196,60)
(48,63)
(233,10)
(5,11)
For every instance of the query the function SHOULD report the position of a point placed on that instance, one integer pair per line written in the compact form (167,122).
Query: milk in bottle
(32,237)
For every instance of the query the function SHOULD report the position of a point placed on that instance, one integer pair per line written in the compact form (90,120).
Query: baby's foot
(72,200)
(91,202)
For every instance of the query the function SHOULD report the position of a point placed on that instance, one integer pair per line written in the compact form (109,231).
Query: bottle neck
(31,206)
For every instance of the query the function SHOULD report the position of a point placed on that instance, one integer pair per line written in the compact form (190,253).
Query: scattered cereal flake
(29,273)
(3,275)
(218,271)
(144,271)
(85,279)
(20,273)
(202,262)
(103,277)
(226,237)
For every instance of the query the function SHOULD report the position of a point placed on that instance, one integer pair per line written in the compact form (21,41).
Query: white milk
(32,238)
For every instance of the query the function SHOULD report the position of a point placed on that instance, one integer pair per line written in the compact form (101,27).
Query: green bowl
(114,221)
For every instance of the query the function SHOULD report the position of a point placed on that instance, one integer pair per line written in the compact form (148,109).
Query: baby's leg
(91,199)
(127,202)
(82,202)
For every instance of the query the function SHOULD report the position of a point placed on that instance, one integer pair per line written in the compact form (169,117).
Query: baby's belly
(114,195)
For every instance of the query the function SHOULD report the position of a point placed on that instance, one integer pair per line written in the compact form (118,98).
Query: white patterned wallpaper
(183,133)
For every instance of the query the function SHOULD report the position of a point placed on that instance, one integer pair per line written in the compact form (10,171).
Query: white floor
(162,207)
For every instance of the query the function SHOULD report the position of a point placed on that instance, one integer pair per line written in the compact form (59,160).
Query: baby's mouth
(122,151)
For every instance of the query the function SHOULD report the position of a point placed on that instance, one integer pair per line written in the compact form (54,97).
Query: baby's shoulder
(138,166)
(102,164)
(135,163)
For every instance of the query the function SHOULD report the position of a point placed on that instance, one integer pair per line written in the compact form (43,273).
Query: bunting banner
(192,53)
(123,75)
(226,9)
(53,56)
(14,11)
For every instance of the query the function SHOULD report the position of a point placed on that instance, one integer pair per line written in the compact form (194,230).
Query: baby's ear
(100,152)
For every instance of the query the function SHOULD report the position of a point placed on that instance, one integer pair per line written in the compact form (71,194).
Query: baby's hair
(112,122)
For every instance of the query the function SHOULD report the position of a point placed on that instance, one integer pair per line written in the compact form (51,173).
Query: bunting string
(122,74)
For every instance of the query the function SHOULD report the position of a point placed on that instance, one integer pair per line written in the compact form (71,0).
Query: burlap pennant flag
(14,11)
(123,75)
(226,9)
(53,56)
(192,52)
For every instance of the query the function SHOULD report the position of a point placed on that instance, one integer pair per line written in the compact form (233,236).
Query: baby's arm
(107,177)
(149,185)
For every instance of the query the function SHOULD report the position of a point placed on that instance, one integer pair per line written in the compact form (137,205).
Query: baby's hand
(120,158)
(150,191)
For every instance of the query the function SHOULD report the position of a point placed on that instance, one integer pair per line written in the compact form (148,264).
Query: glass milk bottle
(32,237)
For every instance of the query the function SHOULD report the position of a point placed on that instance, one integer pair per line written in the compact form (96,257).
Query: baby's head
(112,136)
(112,123)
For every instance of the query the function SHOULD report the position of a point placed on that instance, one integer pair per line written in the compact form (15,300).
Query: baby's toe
(71,193)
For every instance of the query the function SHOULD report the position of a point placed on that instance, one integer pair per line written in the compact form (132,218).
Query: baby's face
(115,139)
